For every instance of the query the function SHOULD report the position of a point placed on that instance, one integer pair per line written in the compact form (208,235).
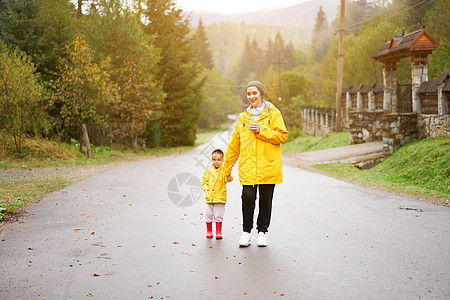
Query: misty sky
(235,6)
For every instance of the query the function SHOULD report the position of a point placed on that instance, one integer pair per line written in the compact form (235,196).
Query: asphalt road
(120,235)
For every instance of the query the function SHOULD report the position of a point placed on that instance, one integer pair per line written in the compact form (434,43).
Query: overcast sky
(235,6)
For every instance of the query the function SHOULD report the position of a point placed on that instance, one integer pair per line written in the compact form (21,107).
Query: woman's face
(254,96)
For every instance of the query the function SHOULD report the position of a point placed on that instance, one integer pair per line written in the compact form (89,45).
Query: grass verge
(420,169)
(313,143)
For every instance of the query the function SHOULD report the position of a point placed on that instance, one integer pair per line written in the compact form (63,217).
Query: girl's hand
(254,127)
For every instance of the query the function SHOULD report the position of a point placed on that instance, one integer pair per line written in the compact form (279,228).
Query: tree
(41,28)
(84,89)
(415,11)
(59,31)
(321,36)
(439,29)
(117,33)
(21,110)
(22,27)
(220,100)
(180,76)
(201,45)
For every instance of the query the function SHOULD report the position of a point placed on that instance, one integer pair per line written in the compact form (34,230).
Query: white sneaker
(262,241)
(245,239)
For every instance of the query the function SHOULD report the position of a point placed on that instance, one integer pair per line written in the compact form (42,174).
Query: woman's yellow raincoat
(259,154)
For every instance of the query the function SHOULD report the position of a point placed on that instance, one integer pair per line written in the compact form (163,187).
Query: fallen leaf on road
(185,214)
(95,275)
(124,195)
(75,230)
(129,205)
(193,245)
(211,247)
(93,232)
(274,292)
(216,277)
(175,243)
(30,249)
(192,270)
(88,216)
(89,294)
(245,293)
(154,245)
(281,294)
(387,290)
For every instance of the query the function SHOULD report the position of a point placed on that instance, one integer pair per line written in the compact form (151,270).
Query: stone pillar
(371,97)
(419,74)
(390,86)
(442,100)
(348,100)
(359,101)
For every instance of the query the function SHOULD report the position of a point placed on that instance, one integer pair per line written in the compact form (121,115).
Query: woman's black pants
(265,206)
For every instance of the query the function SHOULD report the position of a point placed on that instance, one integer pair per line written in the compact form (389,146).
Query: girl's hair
(218,151)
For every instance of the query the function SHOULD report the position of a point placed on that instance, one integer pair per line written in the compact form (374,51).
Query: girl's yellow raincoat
(214,181)
(259,154)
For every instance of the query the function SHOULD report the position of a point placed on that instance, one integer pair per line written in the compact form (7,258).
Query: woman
(256,142)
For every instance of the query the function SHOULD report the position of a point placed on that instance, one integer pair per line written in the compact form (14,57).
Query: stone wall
(433,126)
(398,129)
(365,126)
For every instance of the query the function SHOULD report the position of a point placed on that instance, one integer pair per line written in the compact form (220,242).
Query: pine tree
(414,18)
(41,28)
(201,46)
(182,106)
(22,27)
(320,36)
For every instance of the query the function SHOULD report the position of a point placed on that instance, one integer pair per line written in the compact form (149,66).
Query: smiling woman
(235,6)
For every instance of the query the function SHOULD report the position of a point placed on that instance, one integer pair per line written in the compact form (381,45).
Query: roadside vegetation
(420,168)
(305,143)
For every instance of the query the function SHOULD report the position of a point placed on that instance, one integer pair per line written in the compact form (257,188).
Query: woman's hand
(254,127)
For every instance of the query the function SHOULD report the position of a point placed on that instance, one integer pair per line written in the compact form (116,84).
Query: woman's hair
(218,151)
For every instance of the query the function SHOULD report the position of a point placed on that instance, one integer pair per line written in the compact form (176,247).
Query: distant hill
(302,15)
(227,40)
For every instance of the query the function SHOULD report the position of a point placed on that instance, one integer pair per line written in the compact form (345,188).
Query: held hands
(254,127)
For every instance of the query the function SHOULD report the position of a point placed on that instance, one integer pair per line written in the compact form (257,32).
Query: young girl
(213,183)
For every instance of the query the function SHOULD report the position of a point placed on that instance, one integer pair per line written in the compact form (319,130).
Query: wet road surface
(119,235)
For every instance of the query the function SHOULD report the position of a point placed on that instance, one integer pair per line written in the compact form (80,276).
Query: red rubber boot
(209,233)
(219,231)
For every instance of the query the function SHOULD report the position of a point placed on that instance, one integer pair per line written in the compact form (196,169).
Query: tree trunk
(86,140)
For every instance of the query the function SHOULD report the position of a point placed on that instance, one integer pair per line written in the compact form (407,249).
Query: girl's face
(217,159)
(254,97)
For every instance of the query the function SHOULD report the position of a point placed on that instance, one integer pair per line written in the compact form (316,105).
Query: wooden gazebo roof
(400,46)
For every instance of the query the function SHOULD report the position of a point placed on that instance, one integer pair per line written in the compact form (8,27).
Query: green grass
(420,168)
(313,143)
(16,195)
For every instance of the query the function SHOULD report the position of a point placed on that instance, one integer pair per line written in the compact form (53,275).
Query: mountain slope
(302,15)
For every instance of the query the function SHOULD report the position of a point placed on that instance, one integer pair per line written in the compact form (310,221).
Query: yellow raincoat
(214,180)
(259,154)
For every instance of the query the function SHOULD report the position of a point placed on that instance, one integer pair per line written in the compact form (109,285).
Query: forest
(139,73)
